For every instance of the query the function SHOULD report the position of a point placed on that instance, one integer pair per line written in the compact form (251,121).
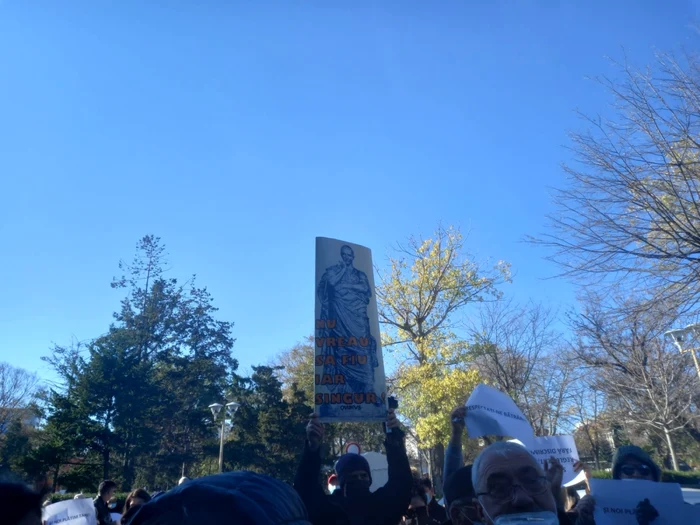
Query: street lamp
(682,334)
(227,414)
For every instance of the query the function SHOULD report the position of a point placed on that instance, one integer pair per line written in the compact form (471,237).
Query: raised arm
(454,459)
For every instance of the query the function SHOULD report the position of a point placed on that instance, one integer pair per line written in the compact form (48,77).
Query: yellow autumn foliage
(429,392)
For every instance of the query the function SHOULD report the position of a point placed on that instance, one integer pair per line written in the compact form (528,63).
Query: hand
(646,513)
(580,466)
(314,432)
(391,419)
(457,420)
(554,472)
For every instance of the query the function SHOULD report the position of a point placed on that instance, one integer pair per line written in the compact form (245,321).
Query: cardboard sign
(616,501)
(70,512)
(490,412)
(349,375)
(562,448)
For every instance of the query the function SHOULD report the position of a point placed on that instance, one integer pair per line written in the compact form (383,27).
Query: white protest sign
(562,448)
(70,512)
(490,412)
(616,501)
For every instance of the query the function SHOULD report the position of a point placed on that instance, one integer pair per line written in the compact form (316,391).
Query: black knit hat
(459,485)
(349,463)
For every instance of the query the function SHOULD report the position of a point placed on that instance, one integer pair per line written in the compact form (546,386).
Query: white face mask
(540,518)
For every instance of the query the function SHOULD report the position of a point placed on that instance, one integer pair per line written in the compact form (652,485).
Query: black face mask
(357,488)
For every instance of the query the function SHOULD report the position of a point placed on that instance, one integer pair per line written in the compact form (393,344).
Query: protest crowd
(506,484)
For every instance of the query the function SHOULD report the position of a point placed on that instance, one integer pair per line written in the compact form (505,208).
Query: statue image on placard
(344,293)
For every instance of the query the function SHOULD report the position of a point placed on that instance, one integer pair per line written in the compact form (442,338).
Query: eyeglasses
(629,470)
(505,490)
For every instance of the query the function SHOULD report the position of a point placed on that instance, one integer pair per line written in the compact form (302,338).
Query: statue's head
(347,255)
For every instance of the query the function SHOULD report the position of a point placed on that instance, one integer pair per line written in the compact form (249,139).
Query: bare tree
(592,427)
(548,399)
(631,211)
(17,390)
(517,349)
(649,382)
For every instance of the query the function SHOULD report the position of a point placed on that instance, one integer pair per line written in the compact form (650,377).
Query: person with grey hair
(511,487)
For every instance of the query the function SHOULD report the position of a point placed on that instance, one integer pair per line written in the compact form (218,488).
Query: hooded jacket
(627,451)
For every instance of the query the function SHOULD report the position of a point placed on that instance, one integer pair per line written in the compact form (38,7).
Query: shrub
(671,476)
(119,497)
(684,478)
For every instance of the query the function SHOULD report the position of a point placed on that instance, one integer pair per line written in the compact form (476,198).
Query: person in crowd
(630,463)
(459,497)
(236,498)
(509,481)
(572,498)
(332,483)
(133,501)
(437,511)
(136,497)
(418,512)
(19,504)
(353,503)
(105,493)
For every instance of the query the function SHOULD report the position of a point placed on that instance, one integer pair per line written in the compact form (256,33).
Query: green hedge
(684,478)
(119,497)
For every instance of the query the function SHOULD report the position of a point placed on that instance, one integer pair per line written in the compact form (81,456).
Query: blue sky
(240,131)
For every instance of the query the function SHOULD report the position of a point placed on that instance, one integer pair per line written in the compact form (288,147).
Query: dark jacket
(437,511)
(104,515)
(241,497)
(385,506)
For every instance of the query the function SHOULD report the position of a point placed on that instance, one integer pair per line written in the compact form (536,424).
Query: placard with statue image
(349,372)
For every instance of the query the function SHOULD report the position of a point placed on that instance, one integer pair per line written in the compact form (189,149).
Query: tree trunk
(105,464)
(596,457)
(55,477)
(671,450)
(437,460)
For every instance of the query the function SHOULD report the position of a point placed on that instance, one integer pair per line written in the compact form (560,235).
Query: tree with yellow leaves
(426,287)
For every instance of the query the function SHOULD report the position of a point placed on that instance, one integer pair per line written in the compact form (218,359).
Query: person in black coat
(353,503)
(235,498)
(436,511)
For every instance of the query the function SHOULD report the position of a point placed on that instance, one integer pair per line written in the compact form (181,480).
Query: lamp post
(228,413)
(678,336)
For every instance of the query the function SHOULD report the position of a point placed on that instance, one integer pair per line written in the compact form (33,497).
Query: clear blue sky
(239,131)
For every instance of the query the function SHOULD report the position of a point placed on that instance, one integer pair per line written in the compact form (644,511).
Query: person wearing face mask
(630,463)
(459,498)
(353,503)
(437,511)
(418,512)
(106,492)
(511,488)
